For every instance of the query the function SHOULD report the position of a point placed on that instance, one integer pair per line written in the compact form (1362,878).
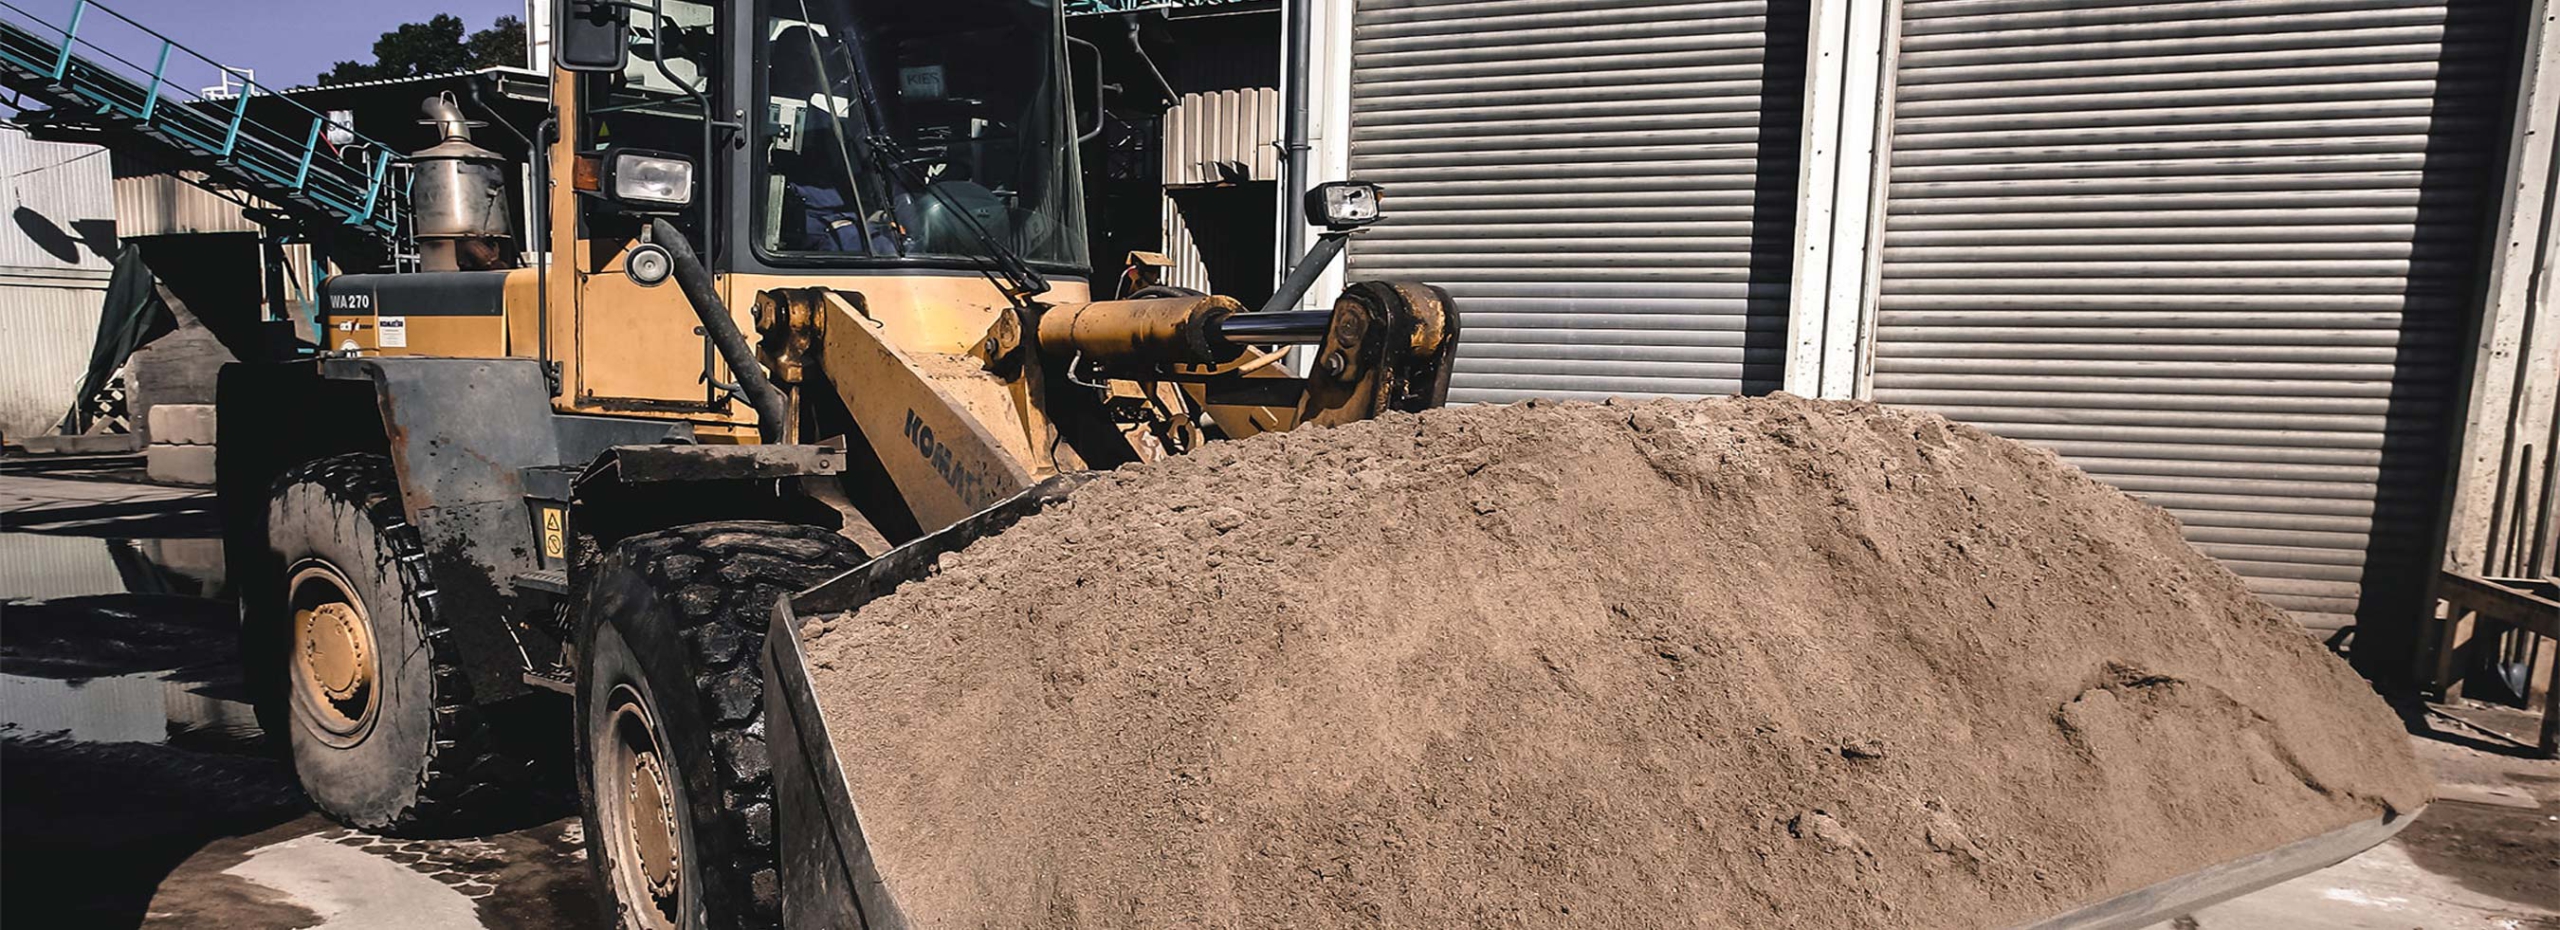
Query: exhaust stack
(459,197)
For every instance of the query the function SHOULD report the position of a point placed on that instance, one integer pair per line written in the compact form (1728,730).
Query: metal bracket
(664,463)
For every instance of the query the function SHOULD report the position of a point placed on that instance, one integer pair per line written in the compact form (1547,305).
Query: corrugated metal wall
(2216,253)
(46,331)
(1210,137)
(1183,251)
(1607,187)
(167,205)
(54,263)
(53,193)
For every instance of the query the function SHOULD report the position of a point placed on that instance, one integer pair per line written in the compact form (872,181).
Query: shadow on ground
(141,792)
(93,829)
(2508,850)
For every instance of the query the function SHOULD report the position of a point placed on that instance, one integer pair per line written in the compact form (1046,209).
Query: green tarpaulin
(134,316)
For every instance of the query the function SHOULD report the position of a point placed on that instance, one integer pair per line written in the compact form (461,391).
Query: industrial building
(1644,462)
(2263,263)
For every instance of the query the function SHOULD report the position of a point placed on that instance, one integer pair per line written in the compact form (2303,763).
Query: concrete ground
(2484,856)
(139,792)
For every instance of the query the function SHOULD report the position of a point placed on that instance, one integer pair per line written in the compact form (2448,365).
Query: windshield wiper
(1021,281)
(1020,278)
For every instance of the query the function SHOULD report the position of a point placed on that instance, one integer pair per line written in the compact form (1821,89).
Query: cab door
(639,347)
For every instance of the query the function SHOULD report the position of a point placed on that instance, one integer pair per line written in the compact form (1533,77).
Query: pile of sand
(1739,663)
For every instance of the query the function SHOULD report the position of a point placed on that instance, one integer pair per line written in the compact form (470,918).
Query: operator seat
(821,209)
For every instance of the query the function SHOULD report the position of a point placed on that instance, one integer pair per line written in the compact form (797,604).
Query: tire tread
(472,769)
(724,578)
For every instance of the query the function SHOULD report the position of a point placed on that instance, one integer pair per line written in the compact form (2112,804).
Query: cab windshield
(896,129)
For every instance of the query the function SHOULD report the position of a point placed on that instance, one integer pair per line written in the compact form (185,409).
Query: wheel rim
(638,802)
(336,669)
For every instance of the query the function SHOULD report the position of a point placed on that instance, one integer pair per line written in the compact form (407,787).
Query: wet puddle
(119,641)
(149,707)
(139,781)
(123,727)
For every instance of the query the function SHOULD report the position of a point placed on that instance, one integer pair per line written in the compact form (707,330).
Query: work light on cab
(1345,204)
(649,181)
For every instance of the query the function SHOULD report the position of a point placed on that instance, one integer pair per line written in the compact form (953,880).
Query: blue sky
(289,42)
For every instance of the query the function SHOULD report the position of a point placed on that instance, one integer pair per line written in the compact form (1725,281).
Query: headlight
(1345,204)
(650,179)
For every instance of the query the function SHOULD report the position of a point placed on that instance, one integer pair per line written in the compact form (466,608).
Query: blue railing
(87,83)
(1094,7)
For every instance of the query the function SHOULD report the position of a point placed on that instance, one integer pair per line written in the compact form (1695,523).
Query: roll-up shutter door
(1606,185)
(2216,253)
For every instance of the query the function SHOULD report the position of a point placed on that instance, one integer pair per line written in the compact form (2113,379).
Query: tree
(500,45)
(437,46)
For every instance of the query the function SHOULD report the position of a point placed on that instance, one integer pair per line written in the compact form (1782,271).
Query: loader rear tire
(673,778)
(354,664)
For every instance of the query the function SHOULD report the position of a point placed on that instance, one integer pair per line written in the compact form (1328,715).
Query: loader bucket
(827,875)
(2185,894)
(830,882)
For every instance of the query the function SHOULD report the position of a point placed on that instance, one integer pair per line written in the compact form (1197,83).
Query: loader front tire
(673,777)
(354,663)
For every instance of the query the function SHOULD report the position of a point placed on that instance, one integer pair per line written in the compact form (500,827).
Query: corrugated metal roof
(421,79)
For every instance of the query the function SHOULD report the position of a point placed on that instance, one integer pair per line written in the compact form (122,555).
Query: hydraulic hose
(772,410)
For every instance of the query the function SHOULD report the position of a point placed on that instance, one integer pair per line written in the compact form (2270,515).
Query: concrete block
(96,444)
(180,425)
(173,464)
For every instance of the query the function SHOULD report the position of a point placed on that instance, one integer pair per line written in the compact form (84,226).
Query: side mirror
(1084,73)
(592,35)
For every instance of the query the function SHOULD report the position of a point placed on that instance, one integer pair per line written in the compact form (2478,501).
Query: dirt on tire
(693,602)
(435,761)
(1719,664)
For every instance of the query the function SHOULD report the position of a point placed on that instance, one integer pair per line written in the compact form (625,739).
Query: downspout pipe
(772,409)
(1297,21)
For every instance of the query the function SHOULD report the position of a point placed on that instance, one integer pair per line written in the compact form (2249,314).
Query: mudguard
(460,433)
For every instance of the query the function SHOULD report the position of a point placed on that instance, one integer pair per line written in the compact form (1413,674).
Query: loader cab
(840,143)
(902,132)
(850,135)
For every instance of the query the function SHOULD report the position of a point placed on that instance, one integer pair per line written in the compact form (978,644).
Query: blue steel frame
(1097,7)
(85,75)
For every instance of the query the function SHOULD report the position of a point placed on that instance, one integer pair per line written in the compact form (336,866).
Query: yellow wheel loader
(809,282)
(807,305)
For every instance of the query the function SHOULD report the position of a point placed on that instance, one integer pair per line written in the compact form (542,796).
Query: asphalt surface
(136,789)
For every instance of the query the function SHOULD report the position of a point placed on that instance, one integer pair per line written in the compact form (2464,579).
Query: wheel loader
(809,282)
(807,304)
